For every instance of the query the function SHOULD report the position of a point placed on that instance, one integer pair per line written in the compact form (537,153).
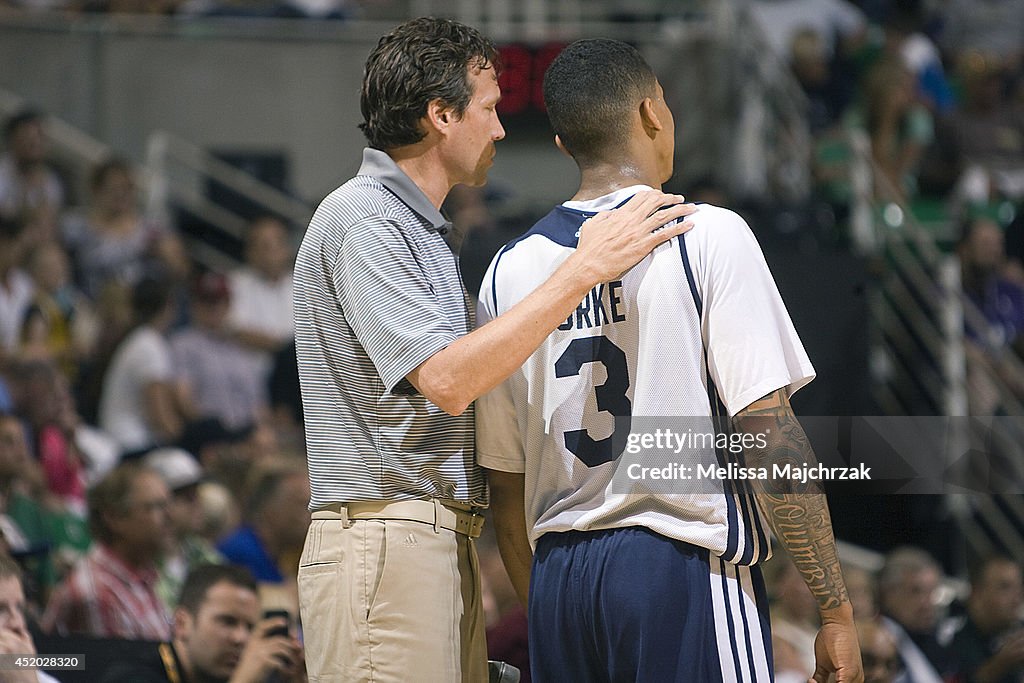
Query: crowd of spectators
(140,433)
(914,625)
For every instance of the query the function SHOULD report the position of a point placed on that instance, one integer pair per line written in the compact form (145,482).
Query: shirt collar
(382,167)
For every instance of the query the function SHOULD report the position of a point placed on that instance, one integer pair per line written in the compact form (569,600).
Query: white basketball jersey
(696,330)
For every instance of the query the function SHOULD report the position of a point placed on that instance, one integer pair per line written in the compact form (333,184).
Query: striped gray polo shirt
(377,292)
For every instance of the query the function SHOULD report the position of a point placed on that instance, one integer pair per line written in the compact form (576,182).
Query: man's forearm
(798,515)
(476,363)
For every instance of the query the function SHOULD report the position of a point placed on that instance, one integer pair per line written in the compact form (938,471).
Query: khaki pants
(390,601)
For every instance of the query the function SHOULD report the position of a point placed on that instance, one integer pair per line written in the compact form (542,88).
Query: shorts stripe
(744,644)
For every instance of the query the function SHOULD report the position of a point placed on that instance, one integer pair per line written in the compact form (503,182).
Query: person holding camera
(219,637)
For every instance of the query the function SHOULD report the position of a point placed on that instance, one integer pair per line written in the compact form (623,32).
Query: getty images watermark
(692,442)
(859,454)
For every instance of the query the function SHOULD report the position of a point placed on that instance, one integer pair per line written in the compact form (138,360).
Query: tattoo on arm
(797,512)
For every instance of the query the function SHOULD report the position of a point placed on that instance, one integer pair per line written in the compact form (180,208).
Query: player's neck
(599,179)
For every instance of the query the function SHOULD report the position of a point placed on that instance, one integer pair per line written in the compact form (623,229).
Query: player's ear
(649,118)
(561,147)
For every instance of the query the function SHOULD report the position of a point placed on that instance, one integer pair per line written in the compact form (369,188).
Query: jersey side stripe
(754,550)
(732,541)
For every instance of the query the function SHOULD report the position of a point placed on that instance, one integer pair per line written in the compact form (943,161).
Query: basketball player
(633,579)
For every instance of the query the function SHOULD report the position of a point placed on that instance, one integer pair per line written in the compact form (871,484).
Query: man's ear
(648,118)
(439,116)
(561,147)
(183,623)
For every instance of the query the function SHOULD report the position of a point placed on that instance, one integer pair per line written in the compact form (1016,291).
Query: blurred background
(875,147)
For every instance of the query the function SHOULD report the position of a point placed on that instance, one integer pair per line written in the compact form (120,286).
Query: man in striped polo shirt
(388,581)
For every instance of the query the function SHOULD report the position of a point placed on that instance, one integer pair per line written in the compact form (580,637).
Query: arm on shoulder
(610,243)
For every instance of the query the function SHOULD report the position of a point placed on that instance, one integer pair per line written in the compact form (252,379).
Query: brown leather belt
(440,514)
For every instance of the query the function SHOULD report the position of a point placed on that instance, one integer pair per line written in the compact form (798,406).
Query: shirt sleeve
(389,301)
(499,444)
(753,348)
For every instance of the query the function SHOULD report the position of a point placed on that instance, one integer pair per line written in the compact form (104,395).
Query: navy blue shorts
(625,605)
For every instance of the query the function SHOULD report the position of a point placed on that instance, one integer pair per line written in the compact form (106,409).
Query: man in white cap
(182,474)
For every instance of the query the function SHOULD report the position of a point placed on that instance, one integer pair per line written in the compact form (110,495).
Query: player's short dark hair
(590,90)
(422,60)
(205,576)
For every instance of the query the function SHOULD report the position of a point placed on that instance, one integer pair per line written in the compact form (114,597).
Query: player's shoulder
(717,227)
(709,217)
(560,227)
(554,233)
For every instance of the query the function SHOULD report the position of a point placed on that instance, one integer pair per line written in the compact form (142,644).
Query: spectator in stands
(16,288)
(261,291)
(71,452)
(990,26)
(59,324)
(909,584)
(275,520)
(45,403)
(285,397)
(834,20)
(905,40)
(228,456)
(991,347)
(15,638)
(182,474)
(218,637)
(809,62)
(30,190)
(140,405)
(989,646)
(878,651)
(219,378)
(795,620)
(986,133)
(219,510)
(112,242)
(111,593)
(863,590)
(898,126)
(24,522)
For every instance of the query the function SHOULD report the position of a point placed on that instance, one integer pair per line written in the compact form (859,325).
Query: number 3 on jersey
(611,397)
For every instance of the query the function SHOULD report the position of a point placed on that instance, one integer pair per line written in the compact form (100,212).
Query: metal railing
(178,174)
(174,176)
(920,315)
